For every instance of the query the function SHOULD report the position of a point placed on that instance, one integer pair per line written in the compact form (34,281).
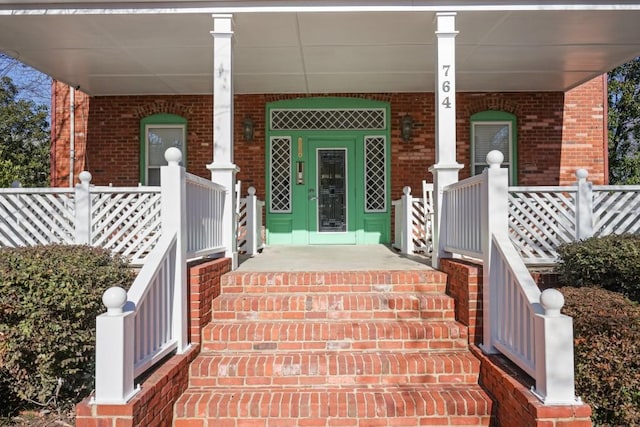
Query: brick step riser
(323,306)
(426,406)
(332,278)
(333,336)
(333,369)
(270,288)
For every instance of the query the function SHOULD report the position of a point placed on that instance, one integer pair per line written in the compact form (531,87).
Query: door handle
(312,194)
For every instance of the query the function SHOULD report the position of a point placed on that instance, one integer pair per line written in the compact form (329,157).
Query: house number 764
(446,87)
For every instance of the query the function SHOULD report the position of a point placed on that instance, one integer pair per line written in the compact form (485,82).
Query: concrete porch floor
(332,258)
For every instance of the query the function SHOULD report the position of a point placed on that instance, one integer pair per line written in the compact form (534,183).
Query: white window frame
(147,167)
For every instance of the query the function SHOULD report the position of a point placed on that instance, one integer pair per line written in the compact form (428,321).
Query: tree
(24,139)
(624,123)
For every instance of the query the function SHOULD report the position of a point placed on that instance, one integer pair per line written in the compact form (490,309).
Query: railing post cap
(114,299)
(85,177)
(495,158)
(251,191)
(552,301)
(582,174)
(173,156)
(406,190)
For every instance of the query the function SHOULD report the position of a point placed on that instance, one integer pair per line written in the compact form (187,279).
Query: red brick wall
(204,286)
(557,133)
(153,405)
(515,405)
(464,285)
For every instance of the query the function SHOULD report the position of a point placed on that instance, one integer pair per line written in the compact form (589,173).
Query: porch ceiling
(320,52)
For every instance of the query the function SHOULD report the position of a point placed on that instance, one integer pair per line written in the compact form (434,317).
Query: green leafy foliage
(24,139)
(612,262)
(607,353)
(49,299)
(624,123)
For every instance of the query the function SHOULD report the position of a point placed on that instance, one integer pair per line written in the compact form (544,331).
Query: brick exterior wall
(153,405)
(515,405)
(557,133)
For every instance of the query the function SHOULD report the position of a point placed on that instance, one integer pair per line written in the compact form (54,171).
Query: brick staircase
(334,349)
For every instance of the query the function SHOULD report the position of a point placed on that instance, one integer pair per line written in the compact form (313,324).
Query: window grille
(280,174)
(328,119)
(375,174)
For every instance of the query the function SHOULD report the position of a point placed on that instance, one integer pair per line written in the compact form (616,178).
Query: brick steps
(343,406)
(333,306)
(375,348)
(338,368)
(335,335)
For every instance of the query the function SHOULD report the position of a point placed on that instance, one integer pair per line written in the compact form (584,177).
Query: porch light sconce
(406,127)
(247,129)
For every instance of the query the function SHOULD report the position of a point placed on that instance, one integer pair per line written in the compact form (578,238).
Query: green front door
(327,172)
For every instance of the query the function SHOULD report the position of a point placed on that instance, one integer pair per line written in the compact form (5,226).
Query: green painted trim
(498,116)
(159,119)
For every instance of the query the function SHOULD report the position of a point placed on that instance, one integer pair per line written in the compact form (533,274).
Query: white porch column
(445,171)
(223,170)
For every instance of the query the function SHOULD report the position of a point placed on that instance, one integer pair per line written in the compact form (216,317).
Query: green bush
(612,262)
(49,299)
(607,353)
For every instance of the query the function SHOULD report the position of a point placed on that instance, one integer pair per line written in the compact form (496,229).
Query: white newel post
(584,206)
(252,222)
(223,170)
(173,197)
(114,350)
(407,221)
(83,209)
(554,352)
(494,211)
(445,171)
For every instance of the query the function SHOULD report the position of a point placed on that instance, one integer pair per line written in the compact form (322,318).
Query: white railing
(205,204)
(540,218)
(414,217)
(143,325)
(125,220)
(250,235)
(543,218)
(615,209)
(462,221)
(518,320)
(34,216)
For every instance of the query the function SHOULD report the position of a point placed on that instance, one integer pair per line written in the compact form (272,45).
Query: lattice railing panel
(540,221)
(127,221)
(422,226)
(616,210)
(280,174)
(328,119)
(242,224)
(375,174)
(37,216)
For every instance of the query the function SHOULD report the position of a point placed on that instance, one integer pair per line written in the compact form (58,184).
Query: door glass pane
(332,202)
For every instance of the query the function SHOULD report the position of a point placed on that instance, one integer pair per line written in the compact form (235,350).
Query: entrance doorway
(328,185)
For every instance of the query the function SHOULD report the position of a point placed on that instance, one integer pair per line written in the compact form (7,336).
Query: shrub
(612,262)
(607,353)
(49,299)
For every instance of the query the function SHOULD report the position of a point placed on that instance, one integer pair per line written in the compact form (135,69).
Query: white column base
(443,175)
(225,174)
